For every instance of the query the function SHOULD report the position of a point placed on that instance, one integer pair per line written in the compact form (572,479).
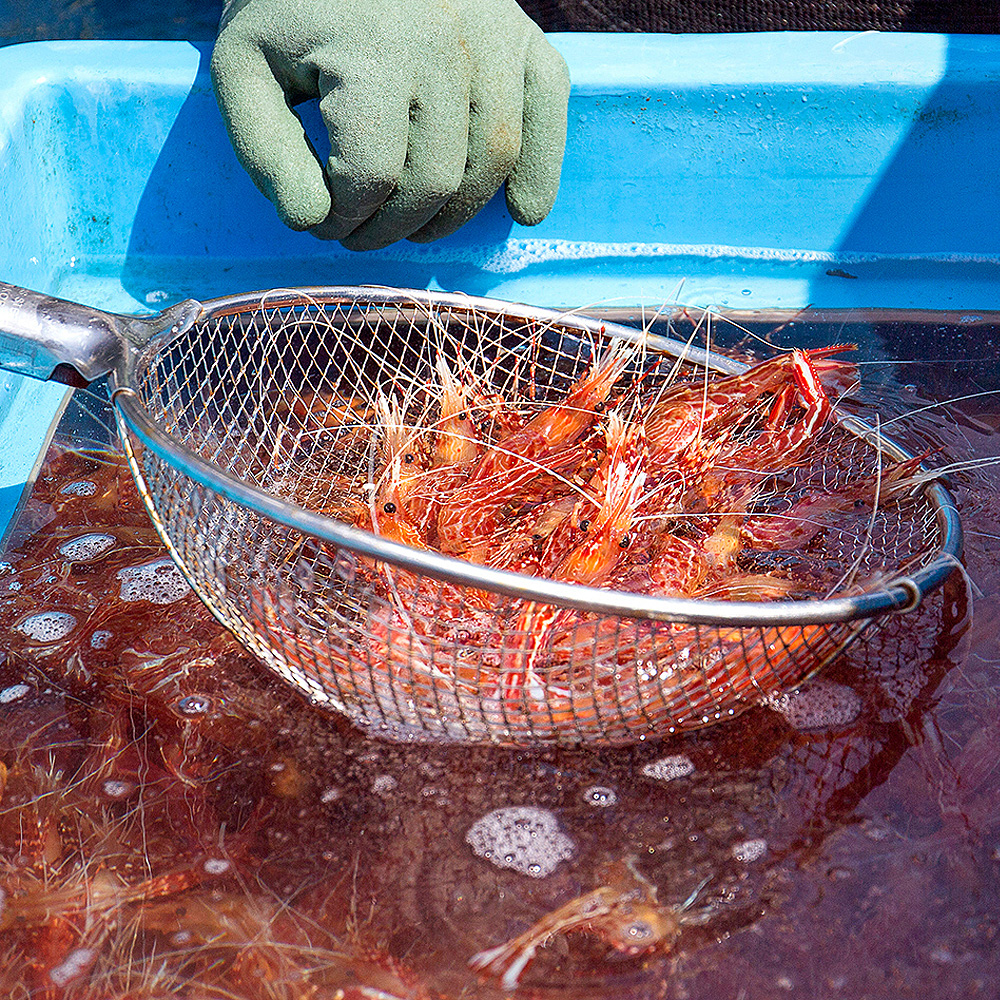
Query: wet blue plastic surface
(748,171)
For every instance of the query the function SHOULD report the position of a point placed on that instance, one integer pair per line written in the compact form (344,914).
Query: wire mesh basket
(254,437)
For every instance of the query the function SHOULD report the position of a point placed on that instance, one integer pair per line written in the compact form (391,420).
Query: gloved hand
(430,104)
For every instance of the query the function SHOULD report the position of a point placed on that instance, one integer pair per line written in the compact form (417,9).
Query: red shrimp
(737,473)
(624,912)
(677,423)
(456,440)
(622,476)
(403,503)
(467,523)
(561,424)
(590,562)
(388,512)
(781,444)
(471,516)
(676,568)
(797,526)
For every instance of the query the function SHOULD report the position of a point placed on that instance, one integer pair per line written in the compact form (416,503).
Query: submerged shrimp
(625,913)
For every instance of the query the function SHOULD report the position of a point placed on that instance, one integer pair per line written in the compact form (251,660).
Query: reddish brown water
(174,823)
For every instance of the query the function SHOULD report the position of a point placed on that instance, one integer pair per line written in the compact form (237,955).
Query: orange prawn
(678,421)
(605,537)
(547,444)
(456,440)
(625,912)
(563,423)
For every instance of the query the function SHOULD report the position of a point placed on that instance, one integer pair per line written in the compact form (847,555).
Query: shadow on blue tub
(815,182)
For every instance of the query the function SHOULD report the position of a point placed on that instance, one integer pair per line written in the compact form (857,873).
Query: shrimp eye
(463,416)
(584,525)
(408,458)
(389,508)
(623,544)
(598,408)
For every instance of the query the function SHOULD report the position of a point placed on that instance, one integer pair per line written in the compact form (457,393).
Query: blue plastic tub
(742,171)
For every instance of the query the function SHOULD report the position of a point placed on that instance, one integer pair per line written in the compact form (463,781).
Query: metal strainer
(247,422)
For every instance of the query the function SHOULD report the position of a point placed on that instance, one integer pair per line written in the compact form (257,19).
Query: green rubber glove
(431,105)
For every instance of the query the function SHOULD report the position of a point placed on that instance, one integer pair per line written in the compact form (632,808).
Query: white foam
(115,789)
(194,704)
(669,768)
(750,850)
(86,547)
(523,838)
(384,784)
(819,705)
(100,639)
(14,693)
(47,626)
(599,796)
(80,488)
(72,967)
(159,581)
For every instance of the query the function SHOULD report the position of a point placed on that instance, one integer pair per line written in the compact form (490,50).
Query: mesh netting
(290,395)
(955,16)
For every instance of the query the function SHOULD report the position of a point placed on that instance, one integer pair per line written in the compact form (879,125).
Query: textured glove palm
(431,105)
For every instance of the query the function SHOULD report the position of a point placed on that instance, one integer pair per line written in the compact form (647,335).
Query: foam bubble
(523,838)
(384,784)
(13,693)
(86,547)
(749,850)
(819,705)
(598,795)
(80,488)
(216,866)
(72,967)
(194,704)
(159,581)
(115,789)
(100,639)
(47,626)
(669,768)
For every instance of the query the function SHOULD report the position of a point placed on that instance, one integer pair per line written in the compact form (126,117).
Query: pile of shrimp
(628,480)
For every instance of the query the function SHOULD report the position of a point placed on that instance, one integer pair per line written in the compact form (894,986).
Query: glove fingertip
(299,205)
(529,210)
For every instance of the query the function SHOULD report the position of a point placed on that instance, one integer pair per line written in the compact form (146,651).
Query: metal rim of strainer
(901,594)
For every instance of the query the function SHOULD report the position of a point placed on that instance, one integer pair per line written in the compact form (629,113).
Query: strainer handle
(49,338)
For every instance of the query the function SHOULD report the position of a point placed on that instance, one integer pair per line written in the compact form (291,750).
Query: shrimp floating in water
(624,912)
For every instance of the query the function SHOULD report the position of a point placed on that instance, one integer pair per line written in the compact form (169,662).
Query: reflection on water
(173,822)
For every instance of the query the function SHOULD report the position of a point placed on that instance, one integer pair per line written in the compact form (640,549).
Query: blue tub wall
(738,168)
(23,180)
